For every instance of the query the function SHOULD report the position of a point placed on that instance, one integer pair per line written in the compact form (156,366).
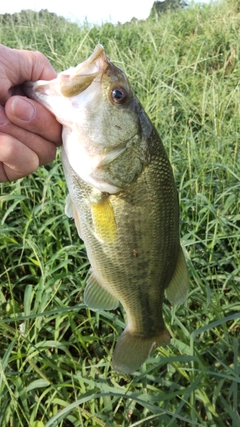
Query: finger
(16,159)
(44,149)
(33,65)
(33,117)
(18,66)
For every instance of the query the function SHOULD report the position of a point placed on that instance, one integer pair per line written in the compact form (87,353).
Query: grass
(55,354)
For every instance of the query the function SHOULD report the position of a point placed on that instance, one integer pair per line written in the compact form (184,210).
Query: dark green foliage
(161,7)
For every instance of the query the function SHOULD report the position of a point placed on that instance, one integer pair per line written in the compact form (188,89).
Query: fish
(123,198)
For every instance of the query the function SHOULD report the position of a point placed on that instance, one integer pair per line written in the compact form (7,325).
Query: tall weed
(55,366)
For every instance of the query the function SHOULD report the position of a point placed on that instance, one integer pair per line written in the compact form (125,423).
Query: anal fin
(97,297)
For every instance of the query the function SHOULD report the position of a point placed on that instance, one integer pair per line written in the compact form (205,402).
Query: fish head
(94,85)
(101,118)
(62,91)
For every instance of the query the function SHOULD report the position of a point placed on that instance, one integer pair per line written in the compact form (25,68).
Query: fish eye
(119,95)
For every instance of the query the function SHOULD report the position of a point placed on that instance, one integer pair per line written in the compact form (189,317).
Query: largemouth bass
(123,198)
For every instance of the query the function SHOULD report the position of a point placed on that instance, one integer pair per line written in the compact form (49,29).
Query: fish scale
(115,263)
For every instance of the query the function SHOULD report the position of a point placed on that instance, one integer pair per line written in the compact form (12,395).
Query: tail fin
(132,350)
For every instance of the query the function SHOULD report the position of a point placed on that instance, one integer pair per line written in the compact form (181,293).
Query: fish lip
(28,88)
(97,53)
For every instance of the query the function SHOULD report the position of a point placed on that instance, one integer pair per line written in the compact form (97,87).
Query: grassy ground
(55,366)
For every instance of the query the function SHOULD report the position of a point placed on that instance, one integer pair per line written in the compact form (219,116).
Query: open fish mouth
(84,73)
(73,81)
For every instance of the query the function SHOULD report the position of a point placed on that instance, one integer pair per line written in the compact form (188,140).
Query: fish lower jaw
(86,165)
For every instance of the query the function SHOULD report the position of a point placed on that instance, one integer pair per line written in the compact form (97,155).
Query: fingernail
(3,118)
(23,109)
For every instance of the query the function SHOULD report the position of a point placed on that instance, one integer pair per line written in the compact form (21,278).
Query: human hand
(29,134)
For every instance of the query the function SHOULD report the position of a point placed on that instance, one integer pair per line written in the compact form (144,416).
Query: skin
(29,134)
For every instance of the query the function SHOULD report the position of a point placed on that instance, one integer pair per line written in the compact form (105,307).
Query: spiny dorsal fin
(177,289)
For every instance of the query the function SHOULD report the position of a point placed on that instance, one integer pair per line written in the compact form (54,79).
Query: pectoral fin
(104,221)
(97,297)
(177,289)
